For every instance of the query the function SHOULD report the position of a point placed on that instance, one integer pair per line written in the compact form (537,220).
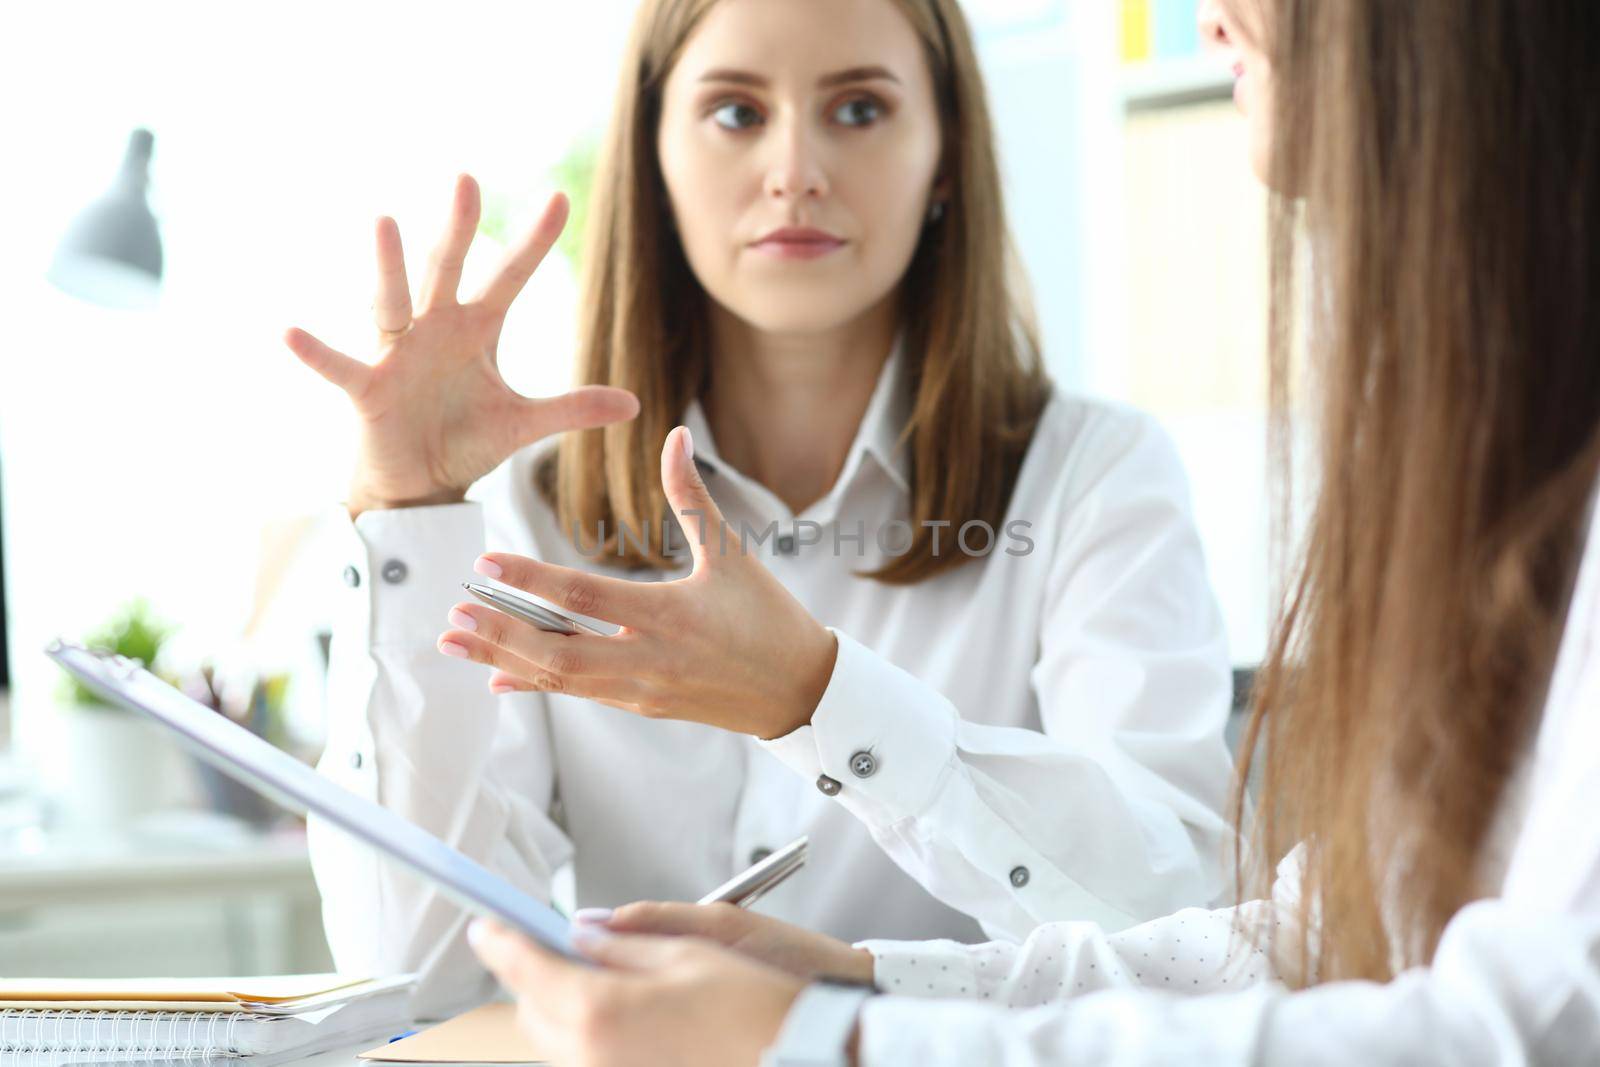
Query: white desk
(341,1057)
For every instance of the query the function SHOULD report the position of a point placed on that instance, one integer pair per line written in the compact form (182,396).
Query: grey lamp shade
(111,254)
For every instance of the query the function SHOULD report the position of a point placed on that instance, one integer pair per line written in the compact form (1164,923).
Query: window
(146,452)
(1144,237)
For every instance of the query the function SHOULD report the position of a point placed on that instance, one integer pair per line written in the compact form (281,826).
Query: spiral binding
(113,1035)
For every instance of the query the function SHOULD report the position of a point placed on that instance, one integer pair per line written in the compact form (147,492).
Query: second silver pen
(750,885)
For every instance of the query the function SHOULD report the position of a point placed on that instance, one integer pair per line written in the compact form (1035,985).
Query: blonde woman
(1430,712)
(959,631)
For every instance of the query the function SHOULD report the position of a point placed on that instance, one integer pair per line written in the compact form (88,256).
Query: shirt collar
(878,436)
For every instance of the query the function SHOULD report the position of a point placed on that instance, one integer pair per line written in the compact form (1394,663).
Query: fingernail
(585,937)
(500,689)
(477,933)
(593,916)
(450,648)
(487,567)
(462,621)
(688,443)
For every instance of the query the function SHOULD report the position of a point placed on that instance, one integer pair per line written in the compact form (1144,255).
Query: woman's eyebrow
(736,77)
(856,74)
(851,75)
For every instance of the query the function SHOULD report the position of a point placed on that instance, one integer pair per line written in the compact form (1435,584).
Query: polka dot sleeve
(936,968)
(1189,952)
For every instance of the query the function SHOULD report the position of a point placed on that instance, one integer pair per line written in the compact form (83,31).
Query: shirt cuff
(923,968)
(886,738)
(403,569)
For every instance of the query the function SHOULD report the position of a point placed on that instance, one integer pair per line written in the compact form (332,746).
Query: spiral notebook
(218,1031)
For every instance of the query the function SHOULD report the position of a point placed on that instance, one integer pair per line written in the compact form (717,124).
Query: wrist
(821,1029)
(855,965)
(812,675)
(361,500)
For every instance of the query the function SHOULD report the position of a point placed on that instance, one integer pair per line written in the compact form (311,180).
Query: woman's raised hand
(435,413)
(727,645)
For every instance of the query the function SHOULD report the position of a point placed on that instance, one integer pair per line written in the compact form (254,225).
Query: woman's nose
(795,171)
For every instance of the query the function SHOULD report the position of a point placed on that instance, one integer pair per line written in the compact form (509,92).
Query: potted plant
(118,766)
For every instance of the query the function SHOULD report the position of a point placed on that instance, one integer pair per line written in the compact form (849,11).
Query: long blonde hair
(970,343)
(1446,160)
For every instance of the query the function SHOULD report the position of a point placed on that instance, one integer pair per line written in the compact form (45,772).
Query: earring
(936,212)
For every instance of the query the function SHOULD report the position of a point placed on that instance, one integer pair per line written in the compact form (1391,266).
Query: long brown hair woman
(953,626)
(1430,716)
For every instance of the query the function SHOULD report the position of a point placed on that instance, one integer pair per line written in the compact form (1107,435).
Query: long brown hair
(969,338)
(1439,270)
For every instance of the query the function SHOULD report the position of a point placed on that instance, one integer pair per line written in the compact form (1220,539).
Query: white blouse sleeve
(1191,951)
(1515,979)
(420,733)
(1504,987)
(1508,984)
(1116,811)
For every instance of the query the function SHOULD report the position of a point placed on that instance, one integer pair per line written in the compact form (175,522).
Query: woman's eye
(736,116)
(862,111)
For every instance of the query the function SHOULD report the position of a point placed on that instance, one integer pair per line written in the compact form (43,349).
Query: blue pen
(398,1037)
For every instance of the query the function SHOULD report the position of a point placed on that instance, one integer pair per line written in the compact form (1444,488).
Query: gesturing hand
(727,645)
(435,413)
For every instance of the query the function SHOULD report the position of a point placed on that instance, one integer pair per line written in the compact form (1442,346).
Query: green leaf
(134,631)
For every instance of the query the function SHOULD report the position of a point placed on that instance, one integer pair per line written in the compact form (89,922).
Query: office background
(182,455)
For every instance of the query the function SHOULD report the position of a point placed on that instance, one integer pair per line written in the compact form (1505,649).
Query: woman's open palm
(436,415)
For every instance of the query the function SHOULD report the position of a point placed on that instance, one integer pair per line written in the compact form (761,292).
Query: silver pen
(544,618)
(749,886)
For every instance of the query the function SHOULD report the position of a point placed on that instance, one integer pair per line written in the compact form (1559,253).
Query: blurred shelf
(78,871)
(1156,83)
(117,905)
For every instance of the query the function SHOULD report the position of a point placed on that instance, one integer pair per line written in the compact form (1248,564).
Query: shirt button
(786,544)
(863,765)
(759,854)
(352,577)
(828,786)
(394,572)
(355,761)
(1019,876)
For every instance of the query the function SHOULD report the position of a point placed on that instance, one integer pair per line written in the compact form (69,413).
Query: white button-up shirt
(1042,730)
(1515,979)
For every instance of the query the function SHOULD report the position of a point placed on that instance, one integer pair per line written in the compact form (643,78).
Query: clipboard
(242,755)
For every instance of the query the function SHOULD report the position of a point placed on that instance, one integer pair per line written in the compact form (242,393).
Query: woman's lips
(793,243)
